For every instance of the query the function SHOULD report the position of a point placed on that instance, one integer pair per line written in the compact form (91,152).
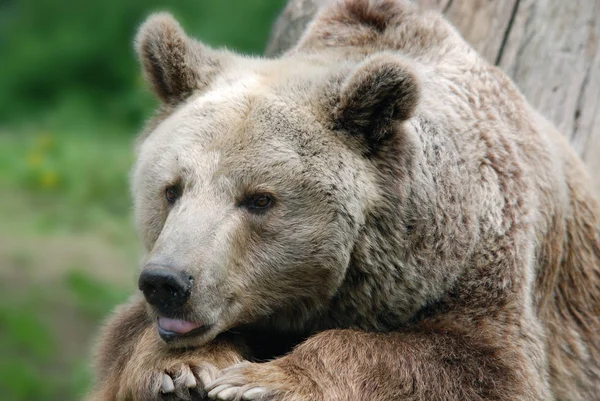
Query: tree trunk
(550,48)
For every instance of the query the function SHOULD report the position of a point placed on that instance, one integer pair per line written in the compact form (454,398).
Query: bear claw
(178,381)
(254,393)
(232,385)
(226,392)
(207,373)
(167,384)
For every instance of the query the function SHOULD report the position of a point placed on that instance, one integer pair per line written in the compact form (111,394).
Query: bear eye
(172,193)
(259,203)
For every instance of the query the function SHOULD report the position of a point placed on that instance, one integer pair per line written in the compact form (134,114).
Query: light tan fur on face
(432,236)
(226,143)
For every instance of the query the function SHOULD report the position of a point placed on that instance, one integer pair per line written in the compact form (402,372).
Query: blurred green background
(71,102)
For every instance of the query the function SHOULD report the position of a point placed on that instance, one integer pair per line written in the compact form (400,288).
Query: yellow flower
(35,159)
(45,141)
(49,179)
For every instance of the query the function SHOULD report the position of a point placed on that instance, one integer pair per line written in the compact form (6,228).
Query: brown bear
(377,214)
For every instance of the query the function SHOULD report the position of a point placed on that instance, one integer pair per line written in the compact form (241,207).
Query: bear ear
(381,92)
(173,64)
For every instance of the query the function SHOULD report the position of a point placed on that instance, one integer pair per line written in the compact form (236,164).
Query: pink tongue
(177,326)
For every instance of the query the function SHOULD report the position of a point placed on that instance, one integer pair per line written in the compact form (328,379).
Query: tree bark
(550,48)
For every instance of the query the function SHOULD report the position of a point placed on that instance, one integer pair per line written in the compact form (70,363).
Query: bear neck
(407,255)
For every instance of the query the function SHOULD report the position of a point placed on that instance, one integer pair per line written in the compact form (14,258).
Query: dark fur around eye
(258,203)
(172,193)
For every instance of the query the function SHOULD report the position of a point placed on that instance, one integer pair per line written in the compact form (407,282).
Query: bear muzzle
(166,289)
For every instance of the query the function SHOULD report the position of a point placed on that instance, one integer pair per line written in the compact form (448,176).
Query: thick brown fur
(433,237)
(131,365)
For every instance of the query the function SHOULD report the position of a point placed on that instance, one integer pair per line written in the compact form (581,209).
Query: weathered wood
(552,54)
(483,23)
(291,23)
(550,48)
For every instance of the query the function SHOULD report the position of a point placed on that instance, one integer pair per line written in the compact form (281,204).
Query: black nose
(164,288)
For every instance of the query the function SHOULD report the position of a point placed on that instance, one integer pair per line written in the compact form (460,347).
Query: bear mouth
(172,329)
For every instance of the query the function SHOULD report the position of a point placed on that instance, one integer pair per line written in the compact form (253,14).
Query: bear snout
(164,288)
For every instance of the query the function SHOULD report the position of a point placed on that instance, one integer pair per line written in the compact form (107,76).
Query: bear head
(253,185)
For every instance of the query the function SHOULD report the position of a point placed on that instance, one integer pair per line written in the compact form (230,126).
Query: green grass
(66,209)
(41,360)
(70,180)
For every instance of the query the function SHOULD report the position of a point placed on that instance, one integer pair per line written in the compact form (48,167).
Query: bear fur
(428,235)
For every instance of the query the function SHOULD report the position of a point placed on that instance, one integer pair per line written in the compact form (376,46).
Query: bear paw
(178,381)
(253,381)
(185,382)
(233,384)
